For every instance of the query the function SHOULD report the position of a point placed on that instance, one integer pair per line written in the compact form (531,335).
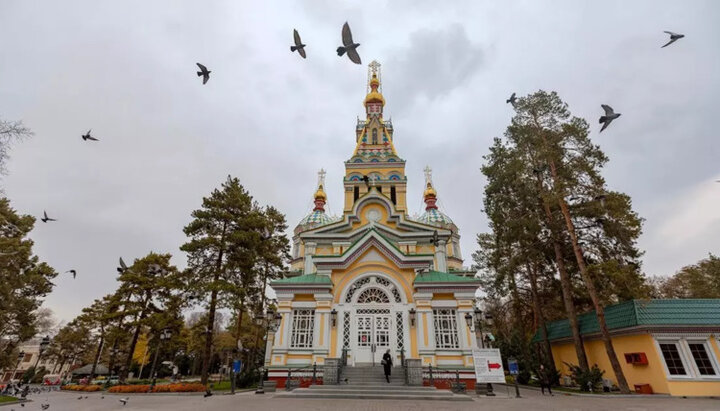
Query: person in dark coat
(544,379)
(387,364)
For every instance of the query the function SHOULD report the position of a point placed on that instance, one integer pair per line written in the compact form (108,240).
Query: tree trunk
(133,342)
(539,315)
(622,382)
(97,356)
(209,335)
(565,286)
(599,311)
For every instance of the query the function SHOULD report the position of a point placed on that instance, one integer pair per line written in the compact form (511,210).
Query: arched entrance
(374,319)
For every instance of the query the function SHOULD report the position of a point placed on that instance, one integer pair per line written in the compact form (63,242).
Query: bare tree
(10,131)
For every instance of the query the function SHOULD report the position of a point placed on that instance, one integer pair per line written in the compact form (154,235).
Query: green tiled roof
(438,277)
(304,279)
(675,312)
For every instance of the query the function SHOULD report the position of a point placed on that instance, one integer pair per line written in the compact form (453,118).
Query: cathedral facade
(375,278)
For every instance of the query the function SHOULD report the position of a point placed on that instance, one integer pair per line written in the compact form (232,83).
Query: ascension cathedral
(375,278)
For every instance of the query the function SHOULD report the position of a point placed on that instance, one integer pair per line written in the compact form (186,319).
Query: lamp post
(413,315)
(165,334)
(21,356)
(43,346)
(271,319)
(478,314)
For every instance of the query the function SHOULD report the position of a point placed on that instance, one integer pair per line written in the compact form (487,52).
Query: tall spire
(320,196)
(429,195)
(374,101)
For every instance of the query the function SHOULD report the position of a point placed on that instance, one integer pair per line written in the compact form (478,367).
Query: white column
(441,256)
(309,251)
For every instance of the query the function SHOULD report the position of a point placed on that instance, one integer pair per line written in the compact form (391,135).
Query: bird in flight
(44,406)
(122,267)
(609,116)
(73,272)
(204,73)
(45,218)
(124,400)
(349,46)
(299,46)
(511,100)
(673,38)
(87,136)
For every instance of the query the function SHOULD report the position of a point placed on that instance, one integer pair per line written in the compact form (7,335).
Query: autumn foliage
(86,388)
(180,387)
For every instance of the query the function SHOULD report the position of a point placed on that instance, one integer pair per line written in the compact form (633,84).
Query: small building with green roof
(665,346)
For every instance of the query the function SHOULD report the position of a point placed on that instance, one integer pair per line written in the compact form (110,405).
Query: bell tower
(375,165)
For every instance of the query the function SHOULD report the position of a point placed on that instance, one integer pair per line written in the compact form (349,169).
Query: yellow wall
(653,373)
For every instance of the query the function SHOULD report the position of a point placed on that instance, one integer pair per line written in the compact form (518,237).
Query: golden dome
(429,191)
(320,194)
(374,95)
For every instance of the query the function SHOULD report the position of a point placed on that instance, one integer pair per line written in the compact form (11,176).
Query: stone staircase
(369,383)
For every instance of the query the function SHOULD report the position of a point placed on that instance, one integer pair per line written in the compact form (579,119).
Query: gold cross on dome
(321,178)
(428,175)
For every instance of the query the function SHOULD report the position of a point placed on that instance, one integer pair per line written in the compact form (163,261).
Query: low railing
(403,364)
(456,386)
(296,381)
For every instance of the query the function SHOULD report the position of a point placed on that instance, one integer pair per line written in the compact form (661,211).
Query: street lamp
(43,346)
(165,334)
(469,320)
(21,356)
(333,318)
(271,320)
(413,316)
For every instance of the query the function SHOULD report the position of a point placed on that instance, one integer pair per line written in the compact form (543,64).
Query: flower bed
(77,387)
(180,387)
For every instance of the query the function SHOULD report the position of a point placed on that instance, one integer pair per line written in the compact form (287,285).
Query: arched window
(374,136)
(373,295)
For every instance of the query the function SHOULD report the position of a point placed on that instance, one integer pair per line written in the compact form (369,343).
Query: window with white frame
(302,328)
(690,358)
(446,332)
(701,355)
(673,359)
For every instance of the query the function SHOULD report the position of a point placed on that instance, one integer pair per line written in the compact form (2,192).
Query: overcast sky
(127,70)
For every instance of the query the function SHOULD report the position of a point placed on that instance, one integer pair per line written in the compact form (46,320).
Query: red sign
(492,365)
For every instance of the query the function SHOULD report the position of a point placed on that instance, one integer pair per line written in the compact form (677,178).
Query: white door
(373,337)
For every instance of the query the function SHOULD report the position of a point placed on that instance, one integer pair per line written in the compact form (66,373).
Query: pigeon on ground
(80,397)
(208,393)
(73,272)
(349,46)
(86,397)
(122,267)
(609,116)
(124,400)
(673,38)
(45,218)
(87,136)
(511,100)
(44,406)
(299,46)
(204,73)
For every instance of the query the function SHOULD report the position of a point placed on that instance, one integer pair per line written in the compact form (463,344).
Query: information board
(513,367)
(488,365)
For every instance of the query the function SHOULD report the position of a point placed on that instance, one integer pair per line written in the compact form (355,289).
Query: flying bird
(122,267)
(87,136)
(204,73)
(609,116)
(349,46)
(45,218)
(511,100)
(124,400)
(673,38)
(44,406)
(73,272)
(299,46)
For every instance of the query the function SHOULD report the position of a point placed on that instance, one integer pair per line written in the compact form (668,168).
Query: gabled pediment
(373,245)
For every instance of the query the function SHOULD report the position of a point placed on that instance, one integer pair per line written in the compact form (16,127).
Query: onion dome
(317,216)
(374,96)
(432,215)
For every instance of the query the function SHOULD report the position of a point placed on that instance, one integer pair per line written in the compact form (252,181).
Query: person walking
(387,364)
(544,379)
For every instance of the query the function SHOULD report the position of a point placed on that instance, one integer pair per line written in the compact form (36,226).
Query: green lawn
(5,398)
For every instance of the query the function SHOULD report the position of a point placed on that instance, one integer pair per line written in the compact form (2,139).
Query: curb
(579,394)
(14,402)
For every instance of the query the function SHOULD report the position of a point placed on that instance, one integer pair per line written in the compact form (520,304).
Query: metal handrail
(290,378)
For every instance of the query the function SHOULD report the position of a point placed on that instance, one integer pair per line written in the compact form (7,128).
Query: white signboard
(488,365)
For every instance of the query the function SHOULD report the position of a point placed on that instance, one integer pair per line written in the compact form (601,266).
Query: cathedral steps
(369,383)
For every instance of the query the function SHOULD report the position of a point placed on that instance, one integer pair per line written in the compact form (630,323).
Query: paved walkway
(65,401)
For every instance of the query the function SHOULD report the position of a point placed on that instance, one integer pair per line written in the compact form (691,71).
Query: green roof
(304,279)
(675,312)
(439,277)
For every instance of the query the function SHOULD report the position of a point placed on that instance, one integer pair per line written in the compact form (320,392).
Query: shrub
(523,377)
(129,388)
(591,378)
(86,388)
(180,387)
